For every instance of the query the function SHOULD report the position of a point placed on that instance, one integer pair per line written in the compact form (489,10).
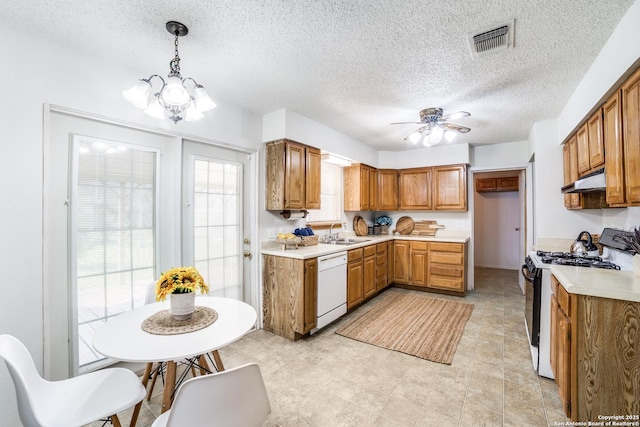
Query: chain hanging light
(173,100)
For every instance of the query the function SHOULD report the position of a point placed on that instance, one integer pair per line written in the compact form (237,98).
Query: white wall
(611,66)
(44,72)
(510,155)
(619,53)
(445,154)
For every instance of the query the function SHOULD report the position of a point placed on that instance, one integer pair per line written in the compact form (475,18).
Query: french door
(121,205)
(215,222)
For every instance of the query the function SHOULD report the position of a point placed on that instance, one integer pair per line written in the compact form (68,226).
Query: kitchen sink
(349,241)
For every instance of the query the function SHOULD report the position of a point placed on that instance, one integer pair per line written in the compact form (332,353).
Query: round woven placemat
(163,323)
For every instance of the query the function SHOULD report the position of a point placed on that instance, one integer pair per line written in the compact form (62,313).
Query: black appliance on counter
(566,258)
(533,285)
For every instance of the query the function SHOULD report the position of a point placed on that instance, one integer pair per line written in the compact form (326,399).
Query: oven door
(533,282)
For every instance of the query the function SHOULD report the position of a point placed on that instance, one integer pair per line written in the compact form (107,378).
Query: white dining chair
(233,398)
(73,402)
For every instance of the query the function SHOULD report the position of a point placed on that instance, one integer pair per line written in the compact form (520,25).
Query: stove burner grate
(566,258)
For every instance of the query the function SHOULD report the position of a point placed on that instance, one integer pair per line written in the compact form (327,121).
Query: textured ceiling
(355,66)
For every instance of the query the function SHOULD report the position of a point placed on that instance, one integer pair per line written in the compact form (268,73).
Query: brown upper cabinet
(590,144)
(504,183)
(360,187)
(450,188)
(293,176)
(612,135)
(631,137)
(415,189)
(387,189)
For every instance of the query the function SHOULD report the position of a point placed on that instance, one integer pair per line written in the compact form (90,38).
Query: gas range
(566,258)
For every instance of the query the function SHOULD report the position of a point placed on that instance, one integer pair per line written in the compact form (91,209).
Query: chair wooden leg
(169,386)
(218,360)
(145,380)
(204,366)
(153,381)
(115,421)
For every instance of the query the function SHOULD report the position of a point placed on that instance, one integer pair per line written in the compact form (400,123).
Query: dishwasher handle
(332,260)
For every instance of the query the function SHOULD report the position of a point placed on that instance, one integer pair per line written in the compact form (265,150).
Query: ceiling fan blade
(454,116)
(406,123)
(457,128)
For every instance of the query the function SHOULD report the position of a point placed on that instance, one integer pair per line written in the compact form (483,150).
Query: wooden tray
(404,225)
(360,226)
(426,228)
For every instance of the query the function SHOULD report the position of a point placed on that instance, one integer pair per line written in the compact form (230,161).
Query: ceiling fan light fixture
(415,137)
(449,135)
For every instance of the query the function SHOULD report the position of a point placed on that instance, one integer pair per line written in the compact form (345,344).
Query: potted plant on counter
(180,284)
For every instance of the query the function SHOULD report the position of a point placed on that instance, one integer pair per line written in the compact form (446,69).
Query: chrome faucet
(331,235)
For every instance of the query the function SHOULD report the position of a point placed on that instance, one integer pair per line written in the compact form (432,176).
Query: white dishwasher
(332,288)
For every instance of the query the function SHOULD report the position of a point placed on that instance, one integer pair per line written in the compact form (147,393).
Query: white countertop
(305,252)
(621,285)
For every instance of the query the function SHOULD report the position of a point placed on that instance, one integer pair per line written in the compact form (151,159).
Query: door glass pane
(217,225)
(114,211)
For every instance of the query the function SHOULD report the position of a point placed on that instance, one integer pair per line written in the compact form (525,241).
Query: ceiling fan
(435,126)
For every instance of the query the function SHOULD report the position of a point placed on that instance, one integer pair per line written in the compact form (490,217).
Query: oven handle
(527,274)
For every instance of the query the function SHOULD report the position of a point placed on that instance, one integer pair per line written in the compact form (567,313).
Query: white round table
(122,338)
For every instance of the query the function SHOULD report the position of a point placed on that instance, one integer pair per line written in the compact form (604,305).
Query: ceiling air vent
(491,40)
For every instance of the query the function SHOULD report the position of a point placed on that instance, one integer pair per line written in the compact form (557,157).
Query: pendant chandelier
(173,100)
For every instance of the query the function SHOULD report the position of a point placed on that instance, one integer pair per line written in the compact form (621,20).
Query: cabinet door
(614,160)
(387,189)
(631,136)
(596,144)
(553,347)
(450,188)
(294,176)
(373,189)
(508,183)
(415,189)
(575,199)
(583,149)
(365,195)
(355,277)
(369,276)
(563,379)
(313,178)
(390,262)
(418,264)
(310,294)
(486,184)
(566,164)
(401,262)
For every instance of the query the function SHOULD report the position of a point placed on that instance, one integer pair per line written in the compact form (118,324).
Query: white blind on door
(114,212)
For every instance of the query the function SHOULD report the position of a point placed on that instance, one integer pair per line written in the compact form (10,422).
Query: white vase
(182,305)
(635,261)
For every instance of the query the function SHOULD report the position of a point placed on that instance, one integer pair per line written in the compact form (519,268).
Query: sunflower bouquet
(179,280)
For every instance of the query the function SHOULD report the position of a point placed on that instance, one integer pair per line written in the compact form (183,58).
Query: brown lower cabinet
(595,354)
(436,266)
(366,272)
(289,295)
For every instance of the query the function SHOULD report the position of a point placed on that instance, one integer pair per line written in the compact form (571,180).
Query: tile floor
(329,380)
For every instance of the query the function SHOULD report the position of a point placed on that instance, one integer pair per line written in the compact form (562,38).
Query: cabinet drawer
(369,250)
(564,300)
(381,248)
(354,255)
(419,246)
(445,270)
(446,247)
(449,284)
(381,260)
(445,258)
(381,272)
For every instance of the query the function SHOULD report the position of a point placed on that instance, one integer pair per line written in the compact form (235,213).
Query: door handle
(247,254)
(517,228)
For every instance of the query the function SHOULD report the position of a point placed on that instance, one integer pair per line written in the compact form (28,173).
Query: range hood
(595,181)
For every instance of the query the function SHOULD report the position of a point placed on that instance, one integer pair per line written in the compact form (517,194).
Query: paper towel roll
(293,216)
